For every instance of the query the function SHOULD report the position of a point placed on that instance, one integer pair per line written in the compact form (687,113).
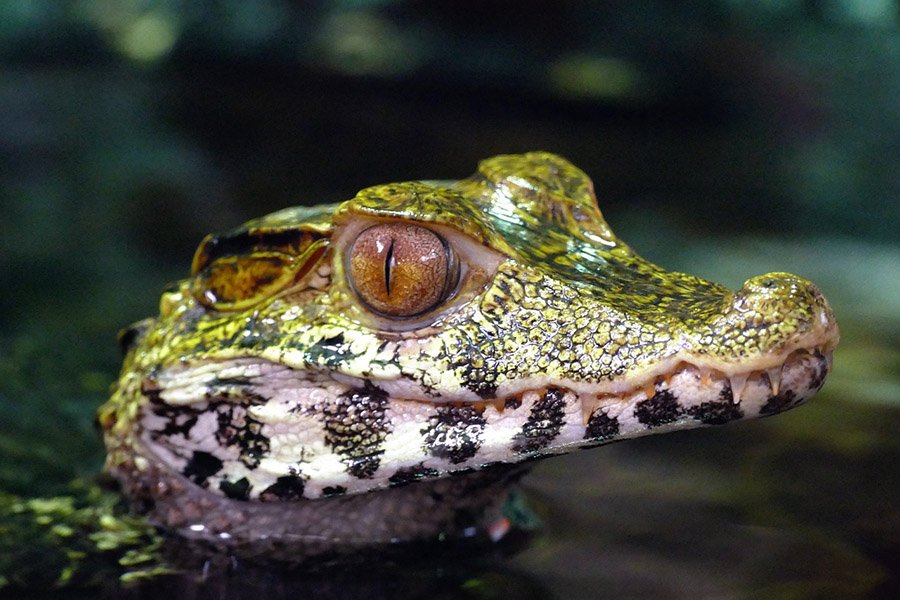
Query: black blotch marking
(512,403)
(484,389)
(544,423)
(328,352)
(287,487)
(662,408)
(201,467)
(178,420)
(503,285)
(356,427)
(779,403)
(333,490)
(454,433)
(332,342)
(818,379)
(718,413)
(601,427)
(237,428)
(236,490)
(234,426)
(412,474)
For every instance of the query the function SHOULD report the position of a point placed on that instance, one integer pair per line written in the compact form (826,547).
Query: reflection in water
(428,571)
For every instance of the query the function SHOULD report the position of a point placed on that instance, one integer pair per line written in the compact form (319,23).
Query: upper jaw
(768,366)
(800,371)
(820,339)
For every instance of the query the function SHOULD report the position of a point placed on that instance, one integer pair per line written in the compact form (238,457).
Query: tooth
(705,377)
(650,389)
(588,407)
(775,379)
(738,383)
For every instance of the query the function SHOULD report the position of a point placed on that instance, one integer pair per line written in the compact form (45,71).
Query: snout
(788,303)
(771,315)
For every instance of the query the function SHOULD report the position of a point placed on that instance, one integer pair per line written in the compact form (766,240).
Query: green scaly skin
(269,412)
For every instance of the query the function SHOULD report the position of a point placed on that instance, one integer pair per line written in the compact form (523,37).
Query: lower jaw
(463,506)
(463,509)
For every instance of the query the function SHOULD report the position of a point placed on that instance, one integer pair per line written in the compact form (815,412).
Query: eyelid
(235,282)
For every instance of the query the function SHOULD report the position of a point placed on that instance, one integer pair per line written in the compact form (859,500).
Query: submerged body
(380,370)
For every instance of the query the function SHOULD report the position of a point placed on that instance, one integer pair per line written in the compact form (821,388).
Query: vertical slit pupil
(388,263)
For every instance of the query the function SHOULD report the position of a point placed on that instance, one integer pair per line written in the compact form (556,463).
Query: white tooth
(738,383)
(775,379)
(588,406)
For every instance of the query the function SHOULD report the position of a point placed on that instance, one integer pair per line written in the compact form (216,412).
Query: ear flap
(129,337)
(238,269)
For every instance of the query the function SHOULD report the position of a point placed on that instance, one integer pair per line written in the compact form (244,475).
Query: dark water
(723,141)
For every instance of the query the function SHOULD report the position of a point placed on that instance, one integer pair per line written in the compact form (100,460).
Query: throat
(468,508)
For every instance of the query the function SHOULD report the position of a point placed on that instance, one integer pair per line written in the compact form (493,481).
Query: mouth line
(737,379)
(707,374)
(773,380)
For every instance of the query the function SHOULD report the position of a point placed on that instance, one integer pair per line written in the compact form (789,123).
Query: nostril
(774,283)
(772,315)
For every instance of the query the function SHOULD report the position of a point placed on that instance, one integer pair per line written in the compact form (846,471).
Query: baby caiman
(383,369)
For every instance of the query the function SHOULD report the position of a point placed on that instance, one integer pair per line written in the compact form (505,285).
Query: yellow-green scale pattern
(571,302)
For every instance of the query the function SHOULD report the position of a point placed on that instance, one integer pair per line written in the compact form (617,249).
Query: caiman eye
(402,270)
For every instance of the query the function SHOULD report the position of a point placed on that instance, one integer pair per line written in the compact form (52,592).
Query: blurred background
(725,138)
